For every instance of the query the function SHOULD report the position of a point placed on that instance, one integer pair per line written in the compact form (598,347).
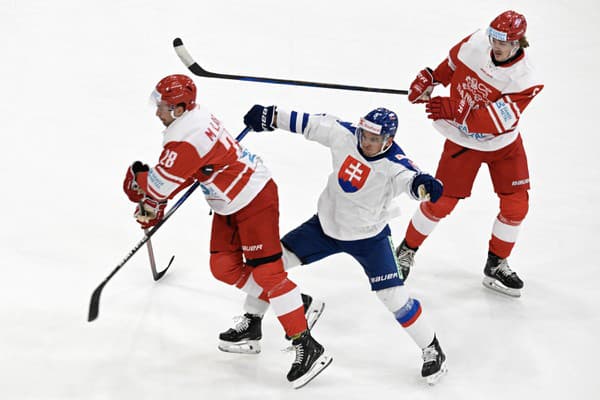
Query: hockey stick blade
(95,299)
(155,275)
(95,303)
(196,69)
(164,271)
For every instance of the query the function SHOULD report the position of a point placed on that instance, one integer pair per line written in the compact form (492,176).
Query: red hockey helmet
(174,90)
(508,26)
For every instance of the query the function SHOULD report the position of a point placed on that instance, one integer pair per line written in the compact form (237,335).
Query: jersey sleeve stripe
(514,106)
(156,195)
(505,113)
(494,119)
(167,176)
(293,117)
(451,64)
(292,121)
(159,186)
(304,121)
(297,125)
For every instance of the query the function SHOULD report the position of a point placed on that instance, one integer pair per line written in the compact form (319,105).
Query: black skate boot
(499,276)
(244,337)
(434,362)
(406,258)
(310,360)
(313,308)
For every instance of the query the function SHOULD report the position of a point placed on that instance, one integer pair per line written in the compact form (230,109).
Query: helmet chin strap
(384,147)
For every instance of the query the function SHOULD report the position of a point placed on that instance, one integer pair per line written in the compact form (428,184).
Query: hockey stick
(95,299)
(196,69)
(156,275)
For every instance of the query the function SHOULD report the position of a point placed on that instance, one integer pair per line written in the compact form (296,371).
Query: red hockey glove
(149,212)
(421,87)
(130,186)
(446,108)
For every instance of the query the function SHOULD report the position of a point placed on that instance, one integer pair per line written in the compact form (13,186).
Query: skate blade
(433,379)
(314,312)
(322,362)
(496,286)
(242,347)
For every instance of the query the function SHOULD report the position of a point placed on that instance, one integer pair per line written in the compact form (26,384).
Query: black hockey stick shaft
(196,69)
(95,299)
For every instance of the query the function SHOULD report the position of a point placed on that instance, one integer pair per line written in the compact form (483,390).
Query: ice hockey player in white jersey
(369,170)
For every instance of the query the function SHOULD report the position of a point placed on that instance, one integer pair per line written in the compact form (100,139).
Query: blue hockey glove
(261,118)
(426,187)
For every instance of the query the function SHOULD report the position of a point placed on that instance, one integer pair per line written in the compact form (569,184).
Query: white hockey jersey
(198,147)
(498,94)
(357,201)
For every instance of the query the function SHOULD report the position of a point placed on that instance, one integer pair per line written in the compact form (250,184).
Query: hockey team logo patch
(352,175)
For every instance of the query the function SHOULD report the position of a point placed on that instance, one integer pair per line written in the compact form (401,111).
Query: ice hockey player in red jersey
(244,248)
(491,83)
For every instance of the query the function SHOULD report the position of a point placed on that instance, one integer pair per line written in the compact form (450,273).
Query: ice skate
(311,360)
(244,337)
(499,277)
(434,362)
(406,258)
(313,308)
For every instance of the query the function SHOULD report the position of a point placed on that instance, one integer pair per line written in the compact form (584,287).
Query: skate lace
(299,352)
(430,354)
(241,323)
(503,269)
(406,257)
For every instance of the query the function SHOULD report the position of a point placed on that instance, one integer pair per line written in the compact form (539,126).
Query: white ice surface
(74,82)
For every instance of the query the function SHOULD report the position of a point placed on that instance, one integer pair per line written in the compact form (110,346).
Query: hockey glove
(130,186)
(149,212)
(426,187)
(261,118)
(421,87)
(446,108)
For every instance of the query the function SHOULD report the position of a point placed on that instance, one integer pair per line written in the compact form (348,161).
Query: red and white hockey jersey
(497,94)
(198,147)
